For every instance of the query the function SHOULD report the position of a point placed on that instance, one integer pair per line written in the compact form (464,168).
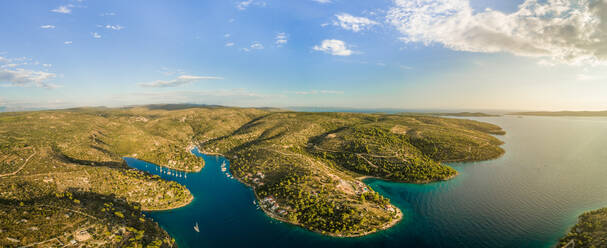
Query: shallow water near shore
(553,170)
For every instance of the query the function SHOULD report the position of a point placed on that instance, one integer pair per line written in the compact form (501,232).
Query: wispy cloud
(334,47)
(96,35)
(281,39)
(20,77)
(243,5)
(69,42)
(256,45)
(63,9)
(353,23)
(230,44)
(107,14)
(114,27)
(179,81)
(13,76)
(323,1)
(47,26)
(565,31)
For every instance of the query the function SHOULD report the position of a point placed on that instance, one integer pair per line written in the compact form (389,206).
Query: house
(274,207)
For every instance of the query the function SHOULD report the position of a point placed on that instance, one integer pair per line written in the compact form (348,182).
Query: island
(64,179)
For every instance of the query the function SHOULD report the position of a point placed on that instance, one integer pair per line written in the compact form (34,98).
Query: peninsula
(64,167)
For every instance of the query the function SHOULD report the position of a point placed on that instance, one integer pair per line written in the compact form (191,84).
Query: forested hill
(309,163)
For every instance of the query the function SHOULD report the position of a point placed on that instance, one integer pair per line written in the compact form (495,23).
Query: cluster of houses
(256,179)
(271,204)
(361,189)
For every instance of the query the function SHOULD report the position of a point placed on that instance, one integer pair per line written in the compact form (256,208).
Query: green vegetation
(77,219)
(309,165)
(305,168)
(79,151)
(590,231)
(565,113)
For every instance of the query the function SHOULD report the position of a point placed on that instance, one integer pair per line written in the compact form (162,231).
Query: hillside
(312,163)
(76,151)
(306,168)
(590,231)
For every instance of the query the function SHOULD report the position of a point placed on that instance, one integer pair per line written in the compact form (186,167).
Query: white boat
(196,227)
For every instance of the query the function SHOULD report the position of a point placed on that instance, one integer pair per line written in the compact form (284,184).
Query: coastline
(171,208)
(361,178)
(399,215)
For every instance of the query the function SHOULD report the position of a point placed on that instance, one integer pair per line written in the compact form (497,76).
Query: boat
(196,227)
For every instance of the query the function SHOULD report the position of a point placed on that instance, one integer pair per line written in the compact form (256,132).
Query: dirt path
(20,168)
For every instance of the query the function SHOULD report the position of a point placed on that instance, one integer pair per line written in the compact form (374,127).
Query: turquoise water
(554,169)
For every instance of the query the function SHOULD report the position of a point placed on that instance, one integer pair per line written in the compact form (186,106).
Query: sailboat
(196,227)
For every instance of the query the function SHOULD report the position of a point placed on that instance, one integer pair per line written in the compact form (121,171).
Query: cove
(553,170)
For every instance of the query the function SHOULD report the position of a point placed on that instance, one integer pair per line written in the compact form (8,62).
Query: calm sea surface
(554,169)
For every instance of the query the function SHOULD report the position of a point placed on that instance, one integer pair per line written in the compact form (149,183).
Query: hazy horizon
(491,55)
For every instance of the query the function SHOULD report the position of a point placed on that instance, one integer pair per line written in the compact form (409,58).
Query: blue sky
(413,54)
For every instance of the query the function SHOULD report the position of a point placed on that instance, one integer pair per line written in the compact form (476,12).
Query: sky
(403,54)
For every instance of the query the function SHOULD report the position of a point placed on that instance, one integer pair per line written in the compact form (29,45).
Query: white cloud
(69,42)
(565,31)
(181,80)
(281,39)
(11,76)
(245,4)
(26,78)
(96,35)
(353,23)
(114,27)
(47,65)
(334,47)
(230,44)
(322,1)
(257,46)
(64,9)
(107,14)
(47,26)
(227,35)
